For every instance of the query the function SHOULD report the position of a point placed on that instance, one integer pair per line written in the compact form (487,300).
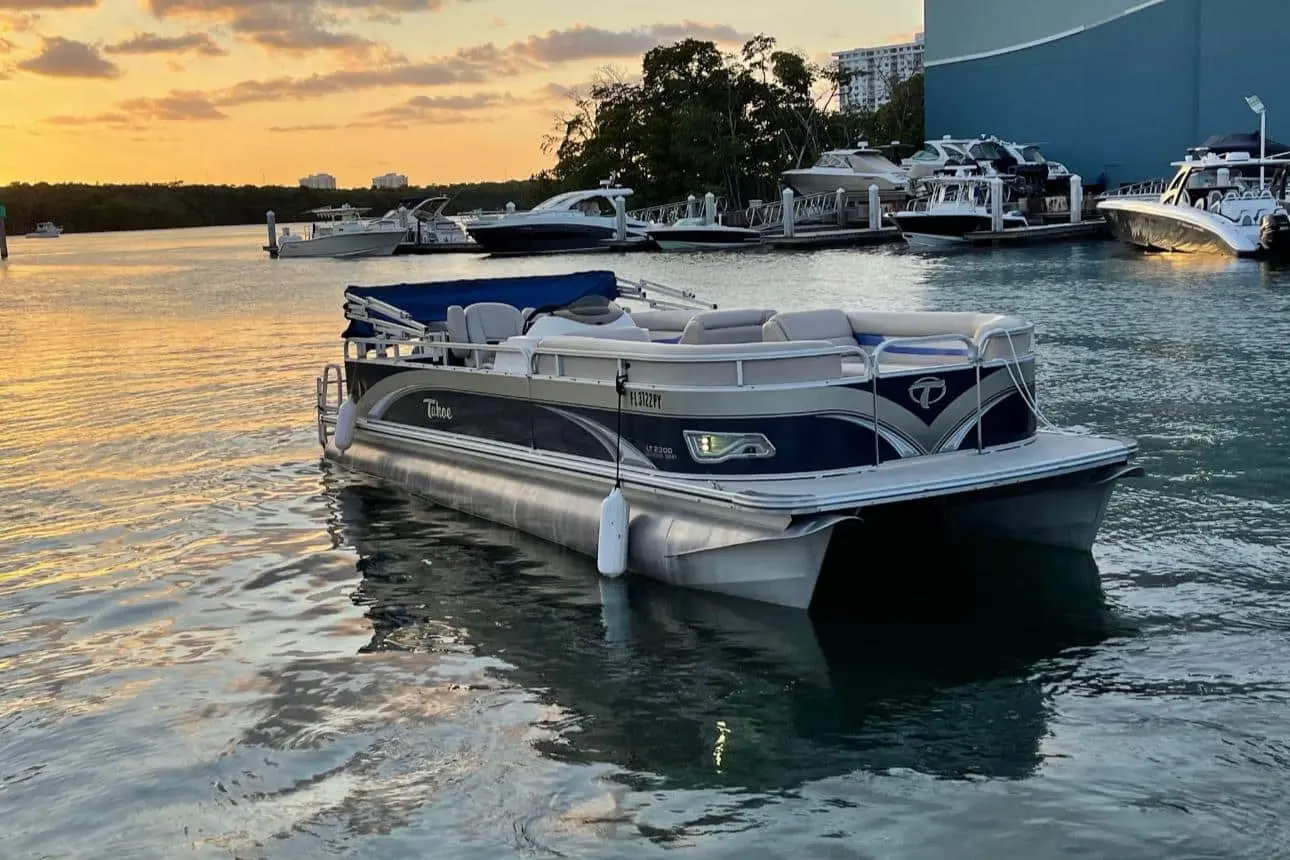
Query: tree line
(700,120)
(83,208)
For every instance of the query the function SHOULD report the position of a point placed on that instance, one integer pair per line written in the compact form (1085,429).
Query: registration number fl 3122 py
(645,400)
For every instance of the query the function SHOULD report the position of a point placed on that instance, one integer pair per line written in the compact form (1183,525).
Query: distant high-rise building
(873,70)
(319,180)
(390,180)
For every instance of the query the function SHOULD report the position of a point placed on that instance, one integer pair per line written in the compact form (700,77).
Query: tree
(698,120)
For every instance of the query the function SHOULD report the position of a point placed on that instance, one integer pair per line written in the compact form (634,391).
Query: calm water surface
(214,645)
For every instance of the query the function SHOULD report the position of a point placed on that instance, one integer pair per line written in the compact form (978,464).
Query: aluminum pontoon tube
(772,558)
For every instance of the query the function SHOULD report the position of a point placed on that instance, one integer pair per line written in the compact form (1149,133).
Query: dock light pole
(1256,105)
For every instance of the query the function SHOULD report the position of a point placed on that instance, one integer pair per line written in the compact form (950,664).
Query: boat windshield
(832,160)
(563,201)
(869,163)
(1032,155)
(927,153)
(987,150)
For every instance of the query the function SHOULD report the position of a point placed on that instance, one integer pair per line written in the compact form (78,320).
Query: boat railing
(1149,188)
(977,348)
(807,209)
(670,213)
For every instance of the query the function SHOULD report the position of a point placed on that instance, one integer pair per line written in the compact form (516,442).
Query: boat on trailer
(735,451)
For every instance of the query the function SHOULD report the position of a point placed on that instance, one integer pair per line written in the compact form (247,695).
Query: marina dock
(844,237)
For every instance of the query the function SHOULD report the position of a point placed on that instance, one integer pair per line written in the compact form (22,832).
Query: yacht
(341,231)
(1228,203)
(853,170)
(698,234)
(45,230)
(720,450)
(573,221)
(1052,177)
(951,208)
(428,228)
(1022,166)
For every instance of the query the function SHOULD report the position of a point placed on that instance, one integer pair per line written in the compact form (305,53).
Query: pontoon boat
(741,446)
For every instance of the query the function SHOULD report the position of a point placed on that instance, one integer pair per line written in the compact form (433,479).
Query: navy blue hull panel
(803,443)
(542,238)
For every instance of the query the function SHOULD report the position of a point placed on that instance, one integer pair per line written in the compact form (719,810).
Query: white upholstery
(830,324)
(491,322)
(663,325)
(870,328)
(733,326)
(455,322)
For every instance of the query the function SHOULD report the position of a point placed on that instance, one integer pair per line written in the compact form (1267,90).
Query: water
(212,644)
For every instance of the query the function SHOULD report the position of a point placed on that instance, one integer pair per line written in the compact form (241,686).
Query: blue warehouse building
(1113,88)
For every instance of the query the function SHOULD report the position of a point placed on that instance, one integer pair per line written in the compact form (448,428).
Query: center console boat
(733,451)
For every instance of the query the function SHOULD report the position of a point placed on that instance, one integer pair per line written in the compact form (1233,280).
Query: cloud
(65,58)
(30,5)
(584,43)
(151,43)
(477,64)
(136,113)
(297,26)
(175,106)
(441,108)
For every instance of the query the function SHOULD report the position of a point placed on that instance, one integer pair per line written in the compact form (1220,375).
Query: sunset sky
(267,91)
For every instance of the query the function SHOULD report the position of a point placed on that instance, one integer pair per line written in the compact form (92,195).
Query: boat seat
(663,326)
(868,329)
(491,322)
(455,324)
(742,325)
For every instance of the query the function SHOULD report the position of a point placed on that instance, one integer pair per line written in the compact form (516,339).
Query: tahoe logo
(435,412)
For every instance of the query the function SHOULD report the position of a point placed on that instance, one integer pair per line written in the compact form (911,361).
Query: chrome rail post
(977,360)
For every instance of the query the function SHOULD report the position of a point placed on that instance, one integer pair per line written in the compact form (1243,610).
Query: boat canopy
(1220,144)
(428,302)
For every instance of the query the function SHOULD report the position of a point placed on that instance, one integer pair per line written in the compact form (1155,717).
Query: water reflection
(695,690)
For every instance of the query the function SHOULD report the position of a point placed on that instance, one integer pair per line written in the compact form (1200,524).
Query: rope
(620,386)
(1027,397)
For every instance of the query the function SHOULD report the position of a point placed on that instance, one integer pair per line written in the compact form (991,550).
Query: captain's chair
(491,322)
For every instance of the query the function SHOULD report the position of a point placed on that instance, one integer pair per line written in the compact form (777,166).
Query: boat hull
(357,244)
(519,238)
(1155,226)
(770,556)
(929,230)
(704,238)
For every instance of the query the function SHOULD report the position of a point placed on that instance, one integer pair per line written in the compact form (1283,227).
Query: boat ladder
(333,378)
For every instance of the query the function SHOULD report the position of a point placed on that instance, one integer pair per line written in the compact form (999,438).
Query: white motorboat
(698,234)
(341,231)
(45,230)
(1227,203)
(853,170)
(953,207)
(723,450)
(576,221)
(428,228)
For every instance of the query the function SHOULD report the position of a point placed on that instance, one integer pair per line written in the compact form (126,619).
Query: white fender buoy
(346,419)
(611,556)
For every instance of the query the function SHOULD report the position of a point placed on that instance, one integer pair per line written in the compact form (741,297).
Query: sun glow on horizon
(267,91)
